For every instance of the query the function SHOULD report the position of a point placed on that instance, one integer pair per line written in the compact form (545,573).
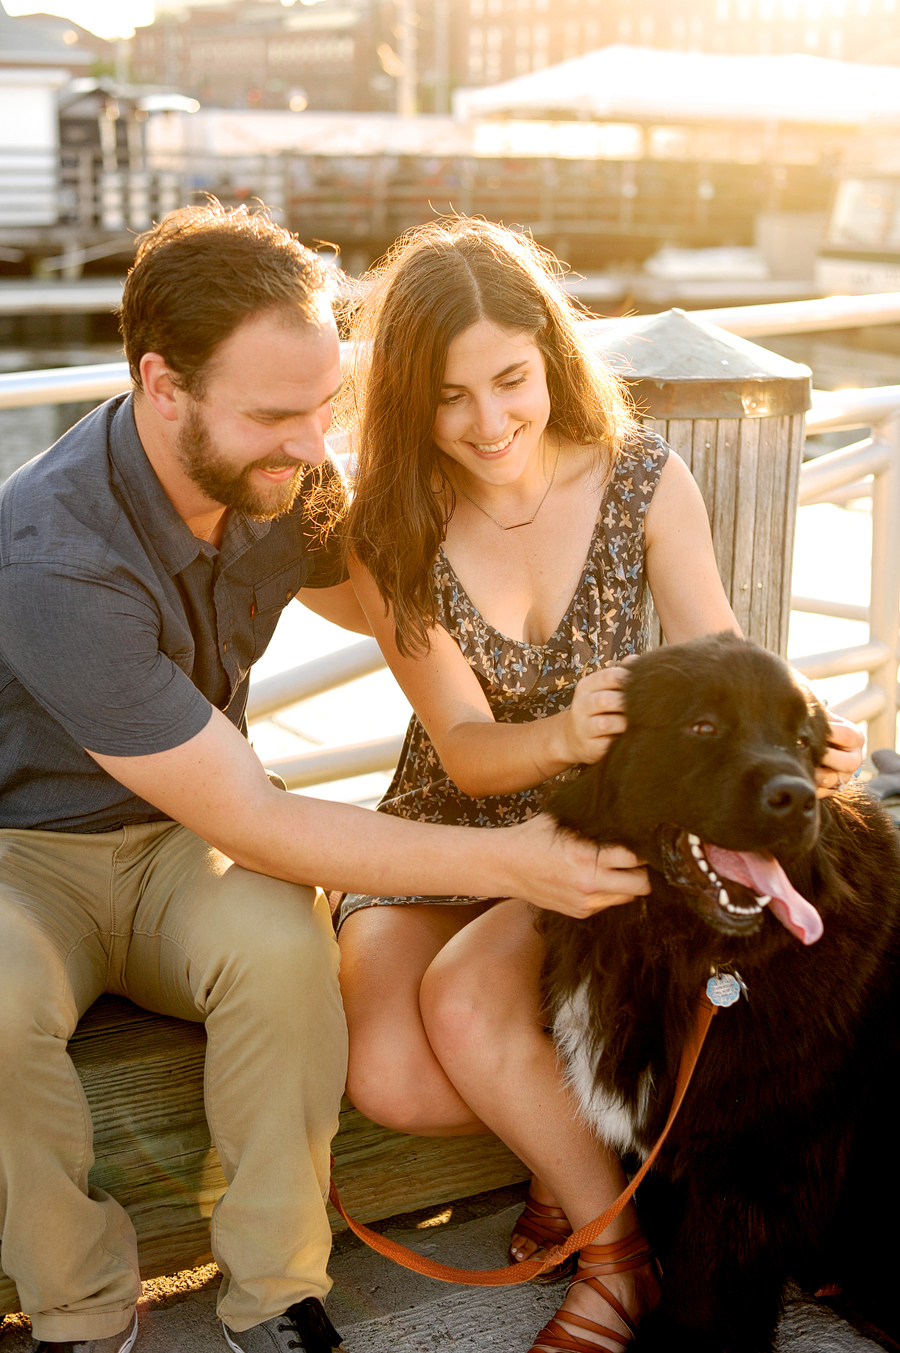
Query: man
(144,561)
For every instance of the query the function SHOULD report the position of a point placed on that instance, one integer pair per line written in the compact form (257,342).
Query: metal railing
(835,477)
(870,466)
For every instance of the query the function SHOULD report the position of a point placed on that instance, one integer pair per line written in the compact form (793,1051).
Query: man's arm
(215,785)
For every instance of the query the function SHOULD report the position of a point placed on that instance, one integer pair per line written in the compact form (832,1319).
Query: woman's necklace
(515,526)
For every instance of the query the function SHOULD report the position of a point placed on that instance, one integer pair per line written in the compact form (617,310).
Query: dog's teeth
(693,840)
(764,901)
(703,864)
(723,897)
(713,876)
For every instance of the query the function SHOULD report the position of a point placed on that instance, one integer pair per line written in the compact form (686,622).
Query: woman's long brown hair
(436,282)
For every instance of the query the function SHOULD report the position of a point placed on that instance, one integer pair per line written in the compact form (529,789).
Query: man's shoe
(118,1343)
(303,1325)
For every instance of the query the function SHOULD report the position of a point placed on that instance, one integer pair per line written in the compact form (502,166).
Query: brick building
(372,55)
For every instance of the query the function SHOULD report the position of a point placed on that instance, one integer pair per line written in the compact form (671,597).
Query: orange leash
(523,1272)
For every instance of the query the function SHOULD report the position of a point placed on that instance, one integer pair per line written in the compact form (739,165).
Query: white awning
(645,84)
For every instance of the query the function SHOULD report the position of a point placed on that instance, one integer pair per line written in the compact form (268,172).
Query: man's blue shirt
(120,629)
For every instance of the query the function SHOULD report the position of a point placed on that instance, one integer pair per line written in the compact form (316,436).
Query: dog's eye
(803,742)
(704,729)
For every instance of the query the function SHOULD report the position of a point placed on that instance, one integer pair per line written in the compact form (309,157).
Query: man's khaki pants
(153,913)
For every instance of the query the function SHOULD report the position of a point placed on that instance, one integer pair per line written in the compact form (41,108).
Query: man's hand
(843,758)
(563,872)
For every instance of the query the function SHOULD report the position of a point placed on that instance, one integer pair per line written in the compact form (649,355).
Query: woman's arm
(481,756)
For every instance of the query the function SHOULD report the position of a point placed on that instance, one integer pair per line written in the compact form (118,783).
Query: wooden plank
(704,460)
(680,436)
(789,467)
(143,1076)
(767,565)
(723,494)
(744,522)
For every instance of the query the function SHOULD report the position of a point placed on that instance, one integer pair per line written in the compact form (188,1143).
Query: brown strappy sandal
(618,1257)
(548,1227)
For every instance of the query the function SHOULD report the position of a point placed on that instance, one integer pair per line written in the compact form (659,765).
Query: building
(256,54)
(497,39)
(34,65)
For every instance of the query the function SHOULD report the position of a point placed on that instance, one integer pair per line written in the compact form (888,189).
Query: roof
(27,44)
(646,84)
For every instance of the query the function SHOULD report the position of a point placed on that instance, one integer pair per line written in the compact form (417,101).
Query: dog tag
(723,989)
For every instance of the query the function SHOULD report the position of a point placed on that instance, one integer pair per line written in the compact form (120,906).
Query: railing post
(884,604)
(735,413)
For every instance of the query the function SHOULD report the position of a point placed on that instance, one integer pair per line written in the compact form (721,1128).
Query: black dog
(781,1162)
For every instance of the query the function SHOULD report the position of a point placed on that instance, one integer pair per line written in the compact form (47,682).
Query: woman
(507,512)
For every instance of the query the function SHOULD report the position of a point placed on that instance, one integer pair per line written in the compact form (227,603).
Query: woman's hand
(595,716)
(562,872)
(843,758)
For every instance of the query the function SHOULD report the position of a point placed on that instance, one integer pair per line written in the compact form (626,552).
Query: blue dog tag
(723,989)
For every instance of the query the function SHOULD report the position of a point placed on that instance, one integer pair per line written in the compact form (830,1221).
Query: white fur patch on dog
(608,1115)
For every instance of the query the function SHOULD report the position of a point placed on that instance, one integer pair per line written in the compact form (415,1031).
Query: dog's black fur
(781,1163)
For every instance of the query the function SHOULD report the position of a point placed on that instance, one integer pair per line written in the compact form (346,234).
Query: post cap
(677,366)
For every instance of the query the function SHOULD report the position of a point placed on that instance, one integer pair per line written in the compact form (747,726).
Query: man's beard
(221,482)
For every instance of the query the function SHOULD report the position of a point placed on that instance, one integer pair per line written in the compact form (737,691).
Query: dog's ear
(816,731)
(583,804)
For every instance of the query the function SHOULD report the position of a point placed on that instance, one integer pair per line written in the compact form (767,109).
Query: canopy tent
(647,84)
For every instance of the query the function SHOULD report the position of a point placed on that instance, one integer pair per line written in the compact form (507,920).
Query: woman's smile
(494,404)
(496,448)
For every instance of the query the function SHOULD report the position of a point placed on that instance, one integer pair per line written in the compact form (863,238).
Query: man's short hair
(204,270)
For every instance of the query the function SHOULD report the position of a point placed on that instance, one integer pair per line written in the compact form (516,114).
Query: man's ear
(159,386)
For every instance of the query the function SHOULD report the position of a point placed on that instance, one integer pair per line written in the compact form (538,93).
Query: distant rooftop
(30,44)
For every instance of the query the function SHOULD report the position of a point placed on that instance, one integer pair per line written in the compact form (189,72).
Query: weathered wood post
(735,413)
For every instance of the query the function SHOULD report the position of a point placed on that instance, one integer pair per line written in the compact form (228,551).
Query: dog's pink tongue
(767,876)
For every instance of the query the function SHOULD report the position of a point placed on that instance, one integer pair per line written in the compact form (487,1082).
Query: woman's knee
(474,997)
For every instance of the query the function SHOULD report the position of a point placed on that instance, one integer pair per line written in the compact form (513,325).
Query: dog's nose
(788,795)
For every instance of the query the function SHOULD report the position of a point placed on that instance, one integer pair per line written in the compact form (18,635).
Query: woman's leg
(394,1077)
(480,1003)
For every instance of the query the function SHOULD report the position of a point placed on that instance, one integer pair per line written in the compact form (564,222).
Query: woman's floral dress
(605,621)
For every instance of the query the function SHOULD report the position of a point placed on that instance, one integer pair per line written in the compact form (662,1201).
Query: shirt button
(225,648)
(288,595)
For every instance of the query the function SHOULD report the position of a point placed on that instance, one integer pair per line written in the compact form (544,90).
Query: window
(862,210)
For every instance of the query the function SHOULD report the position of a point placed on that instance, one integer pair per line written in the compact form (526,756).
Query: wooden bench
(143,1076)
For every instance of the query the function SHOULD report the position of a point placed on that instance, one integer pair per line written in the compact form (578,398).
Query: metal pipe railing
(837,610)
(337,763)
(278,692)
(819,477)
(830,475)
(824,479)
(63,385)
